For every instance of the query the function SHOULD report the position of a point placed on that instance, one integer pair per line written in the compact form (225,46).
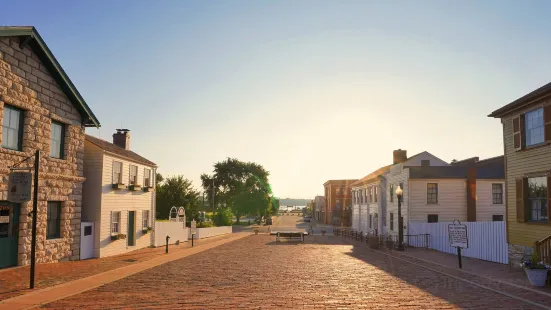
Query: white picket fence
(487,240)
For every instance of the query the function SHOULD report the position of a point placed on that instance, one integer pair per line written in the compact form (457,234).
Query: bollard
(166,251)
(192,235)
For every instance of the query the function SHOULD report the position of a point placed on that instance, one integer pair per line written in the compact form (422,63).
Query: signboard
(19,186)
(193,227)
(4,219)
(181,211)
(458,235)
(173,215)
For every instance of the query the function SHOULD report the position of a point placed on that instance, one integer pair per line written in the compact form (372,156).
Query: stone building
(40,109)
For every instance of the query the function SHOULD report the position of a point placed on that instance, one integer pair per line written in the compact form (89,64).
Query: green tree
(177,191)
(241,186)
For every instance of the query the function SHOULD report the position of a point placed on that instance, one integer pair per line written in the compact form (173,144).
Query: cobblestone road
(255,272)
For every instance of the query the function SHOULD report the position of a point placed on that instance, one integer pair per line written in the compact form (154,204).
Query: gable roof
(117,150)
(29,36)
(373,176)
(525,100)
(491,168)
(419,154)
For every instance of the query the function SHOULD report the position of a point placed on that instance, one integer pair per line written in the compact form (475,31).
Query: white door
(86,240)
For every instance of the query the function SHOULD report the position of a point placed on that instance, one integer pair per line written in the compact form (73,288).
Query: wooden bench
(290,235)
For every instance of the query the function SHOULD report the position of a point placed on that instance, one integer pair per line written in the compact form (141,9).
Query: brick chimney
(399,156)
(471,192)
(122,138)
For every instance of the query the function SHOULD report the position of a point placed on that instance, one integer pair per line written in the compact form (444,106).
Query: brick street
(256,272)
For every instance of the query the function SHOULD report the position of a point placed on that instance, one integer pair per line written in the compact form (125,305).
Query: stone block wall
(26,83)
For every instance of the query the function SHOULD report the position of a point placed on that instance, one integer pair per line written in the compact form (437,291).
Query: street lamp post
(399,194)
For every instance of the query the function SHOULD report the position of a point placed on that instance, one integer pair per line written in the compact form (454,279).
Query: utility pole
(213,199)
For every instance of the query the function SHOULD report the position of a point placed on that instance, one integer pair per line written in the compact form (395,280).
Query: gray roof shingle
(111,148)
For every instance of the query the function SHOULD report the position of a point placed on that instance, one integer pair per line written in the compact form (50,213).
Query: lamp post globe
(399,195)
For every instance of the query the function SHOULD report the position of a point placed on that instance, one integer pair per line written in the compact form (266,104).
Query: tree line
(234,188)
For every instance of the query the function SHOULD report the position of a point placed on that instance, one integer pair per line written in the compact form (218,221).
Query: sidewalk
(15,281)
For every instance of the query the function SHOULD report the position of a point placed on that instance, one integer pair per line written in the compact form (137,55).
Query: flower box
(118,186)
(146,189)
(118,237)
(134,187)
(146,230)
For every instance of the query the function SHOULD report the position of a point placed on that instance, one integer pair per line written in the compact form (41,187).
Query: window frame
(494,194)
(371,194)
(375,195)
(432,215)
(430,200)
(118,215)
(146,219)
(61,142)
(148,184)
(119,181)
(525,134)
(544,198)
(391,219)
(20,129)
(57,223)
(391,192)
(130,181)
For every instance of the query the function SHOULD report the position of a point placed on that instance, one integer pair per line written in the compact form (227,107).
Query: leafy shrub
(223,218)
(205,224)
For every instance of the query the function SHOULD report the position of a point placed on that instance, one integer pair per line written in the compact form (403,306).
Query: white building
(118,197)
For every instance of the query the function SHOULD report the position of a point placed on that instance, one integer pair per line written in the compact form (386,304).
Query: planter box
(537,277)
(146,189)
(118,237)
(146,230)
(118,186)
(134,187)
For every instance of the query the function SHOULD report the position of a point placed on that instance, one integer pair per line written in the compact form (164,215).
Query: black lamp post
(399,194)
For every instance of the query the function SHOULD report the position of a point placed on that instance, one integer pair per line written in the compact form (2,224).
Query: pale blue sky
(312,90)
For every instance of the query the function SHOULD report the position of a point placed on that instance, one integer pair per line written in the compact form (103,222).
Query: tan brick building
(338,201)
(40,109)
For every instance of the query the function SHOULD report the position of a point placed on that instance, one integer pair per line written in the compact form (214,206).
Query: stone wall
(27,84)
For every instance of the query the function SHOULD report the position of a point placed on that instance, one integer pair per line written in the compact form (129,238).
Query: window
(432,218)
(534,127)
(432,193)
(117,172)
(12,128)
(391,221)
(497,193)
(53,220)
(391,193)
(370,221)
(57,138)
(145,218)
(338,204)
(133,175)
(375,194)
(370,194)
(425,162)
(497,218)
(147,177)
(338,190)
(115,222)
(537,199)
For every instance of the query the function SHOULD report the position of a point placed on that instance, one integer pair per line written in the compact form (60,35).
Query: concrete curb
(61,291)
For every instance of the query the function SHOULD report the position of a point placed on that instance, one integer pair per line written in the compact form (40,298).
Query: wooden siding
(452,200)
(91,195)
(124,201)
(485,207)
(518,164)
(434,161)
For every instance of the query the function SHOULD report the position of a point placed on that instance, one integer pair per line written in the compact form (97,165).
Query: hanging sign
(19,186)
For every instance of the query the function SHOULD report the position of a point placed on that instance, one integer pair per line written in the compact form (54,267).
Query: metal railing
(385,240)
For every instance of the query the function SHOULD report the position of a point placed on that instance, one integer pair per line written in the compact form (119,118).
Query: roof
(117,150)
(373,176)
(340,181)
(522,101)
(424,152)
(29,36)
(491,168)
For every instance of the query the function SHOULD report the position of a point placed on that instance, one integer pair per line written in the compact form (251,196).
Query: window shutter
(521,208)
(548,198)
(517,135)
(547,122)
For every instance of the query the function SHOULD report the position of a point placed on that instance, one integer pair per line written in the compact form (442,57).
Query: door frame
(82,238)
(15,210)
(131,229)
